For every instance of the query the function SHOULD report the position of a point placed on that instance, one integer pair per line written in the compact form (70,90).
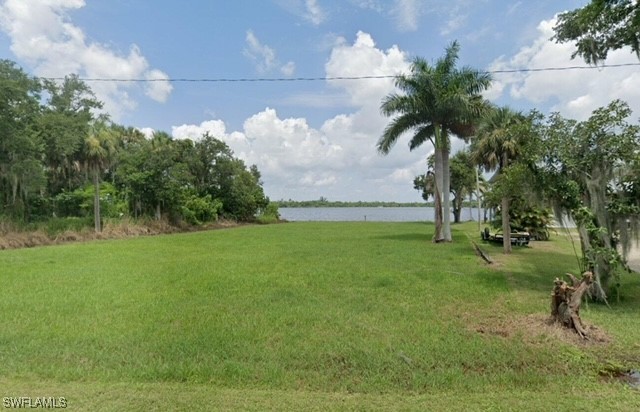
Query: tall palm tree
(498,146)
(99,150)
(436,102)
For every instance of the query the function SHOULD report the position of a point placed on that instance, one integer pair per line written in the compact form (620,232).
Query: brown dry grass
(11,239)
(538,329)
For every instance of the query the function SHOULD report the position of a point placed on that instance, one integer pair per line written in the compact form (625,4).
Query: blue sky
(308,138)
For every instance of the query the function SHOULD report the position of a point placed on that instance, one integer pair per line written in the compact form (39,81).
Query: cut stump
(566,300)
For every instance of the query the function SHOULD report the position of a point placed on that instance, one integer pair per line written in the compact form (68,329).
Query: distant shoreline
(318,203)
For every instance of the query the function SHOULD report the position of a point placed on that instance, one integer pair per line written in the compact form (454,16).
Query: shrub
(197,210)
(57,225)
(269,214)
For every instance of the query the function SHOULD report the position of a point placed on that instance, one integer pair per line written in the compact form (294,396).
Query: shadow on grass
(536,270)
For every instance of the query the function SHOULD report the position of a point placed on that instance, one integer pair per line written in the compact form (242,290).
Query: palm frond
(424,133)
(398,126)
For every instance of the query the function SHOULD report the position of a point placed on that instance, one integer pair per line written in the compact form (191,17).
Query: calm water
(370,214)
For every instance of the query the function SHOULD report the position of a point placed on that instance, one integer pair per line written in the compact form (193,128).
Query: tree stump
(566,300)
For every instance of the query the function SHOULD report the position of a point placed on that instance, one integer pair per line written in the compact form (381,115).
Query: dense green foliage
(600,27)
(463,181)
(59,158)
(371,315)
(590,173)
(499,144)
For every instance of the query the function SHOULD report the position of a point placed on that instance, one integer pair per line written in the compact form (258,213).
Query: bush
(197,210)
(269,214)
(80,202)
(69,203)
(57,225)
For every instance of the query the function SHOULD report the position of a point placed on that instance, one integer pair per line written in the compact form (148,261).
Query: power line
(313,79)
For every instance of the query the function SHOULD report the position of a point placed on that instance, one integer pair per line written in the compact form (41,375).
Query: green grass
(302,316)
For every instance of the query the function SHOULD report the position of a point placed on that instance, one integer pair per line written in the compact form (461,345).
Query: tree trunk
(437,195)
(437,235)
(446,191)
(602,269)
(158,211)
(96,201)
(478,197)
(506,226)
(14,189)
(566,300)
(457,207)
(456,214)
(598,292)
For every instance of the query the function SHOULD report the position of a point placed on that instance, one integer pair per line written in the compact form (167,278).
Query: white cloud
(574,93)
(363,59)
(338,160)
(288,69)
(403,175)
(42,35)
(407,14)
(318,179)
(158,88)
(453,24)
(264,57)
(309,10)
(147,132)
(215,128)
(314,12)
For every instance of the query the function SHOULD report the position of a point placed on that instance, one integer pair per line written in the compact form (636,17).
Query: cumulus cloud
(337,160)
(574,93)
(361,59)
(43,36)
(195,132)
(264,57)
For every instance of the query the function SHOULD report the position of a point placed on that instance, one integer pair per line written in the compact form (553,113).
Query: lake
(369,214)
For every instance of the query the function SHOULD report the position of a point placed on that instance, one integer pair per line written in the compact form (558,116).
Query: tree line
(324,202)
(586,170)
(59,158)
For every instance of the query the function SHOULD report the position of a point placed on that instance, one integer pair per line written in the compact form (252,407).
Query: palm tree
(437,101)
(498,146)
(98,152)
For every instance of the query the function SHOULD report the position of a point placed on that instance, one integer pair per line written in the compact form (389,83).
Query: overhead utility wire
(310,79)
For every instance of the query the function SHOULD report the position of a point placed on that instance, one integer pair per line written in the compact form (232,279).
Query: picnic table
(517,238)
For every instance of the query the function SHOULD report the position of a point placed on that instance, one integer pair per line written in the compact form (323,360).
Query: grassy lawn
(306,316)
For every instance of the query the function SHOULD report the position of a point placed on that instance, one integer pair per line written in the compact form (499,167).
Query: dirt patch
(538,329)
